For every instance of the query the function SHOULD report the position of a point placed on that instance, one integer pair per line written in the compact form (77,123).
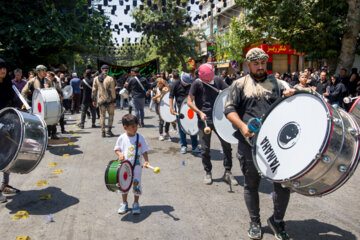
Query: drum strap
(88,85)
(140,83)
(214,88)
(136,149)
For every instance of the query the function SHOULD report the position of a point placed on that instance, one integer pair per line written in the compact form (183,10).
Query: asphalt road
(175,203)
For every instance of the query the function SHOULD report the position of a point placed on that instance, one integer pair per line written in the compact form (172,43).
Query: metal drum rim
(185,100)
(159,107)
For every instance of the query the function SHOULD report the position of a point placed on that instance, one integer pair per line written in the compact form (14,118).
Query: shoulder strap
(136,149)
(214,88)
(88,85)
(140,83)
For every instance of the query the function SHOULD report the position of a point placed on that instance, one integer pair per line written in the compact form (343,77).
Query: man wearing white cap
(251,97)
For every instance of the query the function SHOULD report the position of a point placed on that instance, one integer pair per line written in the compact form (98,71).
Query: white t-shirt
(126,145)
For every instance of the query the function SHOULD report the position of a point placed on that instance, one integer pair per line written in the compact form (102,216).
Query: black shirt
(135,89)
(205,96)
(8,97)
(249,104)
(180,92)
(321,88)
(86,96)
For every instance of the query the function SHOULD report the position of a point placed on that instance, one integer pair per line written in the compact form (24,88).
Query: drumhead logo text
(288,135)
(270,154)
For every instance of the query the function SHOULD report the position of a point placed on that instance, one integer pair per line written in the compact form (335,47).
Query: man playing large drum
(251,97)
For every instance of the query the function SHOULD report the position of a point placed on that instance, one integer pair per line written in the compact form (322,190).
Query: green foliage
(174,40)
(230,45)
(49,32)
(311,26)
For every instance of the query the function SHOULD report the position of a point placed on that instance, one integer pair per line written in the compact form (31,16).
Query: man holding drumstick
(251,97)
(204,92)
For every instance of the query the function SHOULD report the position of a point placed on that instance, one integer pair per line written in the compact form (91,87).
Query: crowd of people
(96,93)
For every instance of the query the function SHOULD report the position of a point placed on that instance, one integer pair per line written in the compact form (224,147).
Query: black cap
(135,70)
(104,67)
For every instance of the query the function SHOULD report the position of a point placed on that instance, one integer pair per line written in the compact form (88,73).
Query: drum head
(291,136)
(189,123)
(164,109)
(38,106)
(223,126)
(10,135)
(67,92)
(125,175)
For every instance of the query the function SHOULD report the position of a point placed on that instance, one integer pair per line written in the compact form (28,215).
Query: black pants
(84,109)
(161,122)
(251,187)
(205,140)
(52,130)
(62,123)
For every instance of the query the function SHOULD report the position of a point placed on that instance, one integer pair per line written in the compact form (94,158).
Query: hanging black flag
(134,3)
(169,5)
(184,4)
(225,5)
(149,3)
(105,3)
(212,5)
(113,10)
(121,2)
(219,10)
(200,7)
(188,8)
(163,10)
(141,7)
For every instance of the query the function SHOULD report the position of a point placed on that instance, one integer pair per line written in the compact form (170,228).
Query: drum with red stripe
(188,119)
(46,104)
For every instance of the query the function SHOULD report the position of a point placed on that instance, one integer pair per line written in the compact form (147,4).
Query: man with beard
(251,97)
(103,94)
(204,92)
(8,98)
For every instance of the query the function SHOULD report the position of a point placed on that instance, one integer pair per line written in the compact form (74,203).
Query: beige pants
(110,109)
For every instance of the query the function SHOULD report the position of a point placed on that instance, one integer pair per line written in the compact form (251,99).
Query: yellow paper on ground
(44,196)
(41,183)
(66,155)
(21,214)
(23,238)
(57,171)
(52,164)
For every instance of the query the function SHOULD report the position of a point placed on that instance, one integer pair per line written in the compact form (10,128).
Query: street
(175,203)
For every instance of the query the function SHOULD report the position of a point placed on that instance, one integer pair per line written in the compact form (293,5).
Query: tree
(50,32)
(170,26)
(323,28)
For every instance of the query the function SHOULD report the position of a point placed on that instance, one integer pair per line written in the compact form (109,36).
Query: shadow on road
(146,212)
(61,150)
(312,229)
(29,201)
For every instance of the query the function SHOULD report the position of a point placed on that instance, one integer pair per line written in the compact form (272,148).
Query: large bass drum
(222,125)
(307,145)
(46,104)
(164,109)
(23,140)
(188,119)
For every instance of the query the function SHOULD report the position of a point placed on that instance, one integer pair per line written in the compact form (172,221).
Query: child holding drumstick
(125,149)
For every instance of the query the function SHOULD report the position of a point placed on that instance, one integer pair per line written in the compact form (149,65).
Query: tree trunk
(348,43)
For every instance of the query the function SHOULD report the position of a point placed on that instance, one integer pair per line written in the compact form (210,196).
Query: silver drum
(307,145)
(23,141)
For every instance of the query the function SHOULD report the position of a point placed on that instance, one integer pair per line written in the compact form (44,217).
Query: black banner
(145,69)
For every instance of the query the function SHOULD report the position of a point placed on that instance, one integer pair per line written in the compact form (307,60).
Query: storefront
(281,58)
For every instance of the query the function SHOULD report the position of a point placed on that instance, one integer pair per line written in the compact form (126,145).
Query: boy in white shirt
(125,149)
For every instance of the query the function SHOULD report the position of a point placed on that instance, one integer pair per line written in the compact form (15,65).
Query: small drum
(67,92)
(189,123)
(164,109)
(46,104)
(307,145)
(111,176)
(23,140)
(355,110)
(124,93)
(223,126)
(119,176)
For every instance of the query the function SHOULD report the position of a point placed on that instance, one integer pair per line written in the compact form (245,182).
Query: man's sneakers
(183,150)
(208,178)
(103,134)
(161,138)
(278,228)
(196,150)
(109,132)
(254,231)
(136,208)
(167,137)
(229,178)
(123,208)
(2,198)
(7,189)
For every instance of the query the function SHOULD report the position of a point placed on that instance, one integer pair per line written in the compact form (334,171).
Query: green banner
(145,69)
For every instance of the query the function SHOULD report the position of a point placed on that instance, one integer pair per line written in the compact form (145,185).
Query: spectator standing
(76,97)
(18,81)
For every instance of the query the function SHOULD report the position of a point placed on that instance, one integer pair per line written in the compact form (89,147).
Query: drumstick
(207,130)
(11,140)
(156,169)
(348,99)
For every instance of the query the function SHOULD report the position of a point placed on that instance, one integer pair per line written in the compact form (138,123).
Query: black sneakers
(108,132)
(254,231)
(103,134)
(278,229)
